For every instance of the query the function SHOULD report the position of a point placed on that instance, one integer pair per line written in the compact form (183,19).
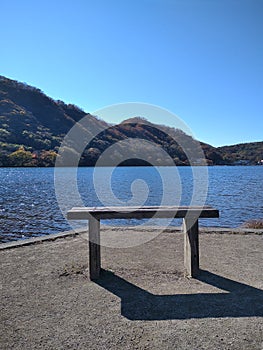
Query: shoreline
(128,166)
(173,229)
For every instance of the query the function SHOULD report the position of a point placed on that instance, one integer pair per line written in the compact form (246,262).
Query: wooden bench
(190,217)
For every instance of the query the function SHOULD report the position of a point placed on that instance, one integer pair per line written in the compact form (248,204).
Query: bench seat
(190,215)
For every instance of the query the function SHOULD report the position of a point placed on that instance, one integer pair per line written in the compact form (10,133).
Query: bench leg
(191,248)
(94,248)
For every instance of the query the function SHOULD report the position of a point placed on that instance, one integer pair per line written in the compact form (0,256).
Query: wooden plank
(191,247)
(84,213)
(94,248)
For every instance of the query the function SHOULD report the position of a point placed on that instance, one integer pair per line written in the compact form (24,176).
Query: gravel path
(142,300)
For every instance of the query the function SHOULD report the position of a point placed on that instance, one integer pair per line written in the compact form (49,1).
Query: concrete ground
(141,301)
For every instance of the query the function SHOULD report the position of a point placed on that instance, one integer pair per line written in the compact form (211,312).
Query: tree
(47,158)
(21,158)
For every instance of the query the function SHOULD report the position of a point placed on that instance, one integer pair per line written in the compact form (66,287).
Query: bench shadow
(236,300)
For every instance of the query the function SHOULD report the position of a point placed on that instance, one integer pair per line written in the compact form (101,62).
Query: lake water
(29,204)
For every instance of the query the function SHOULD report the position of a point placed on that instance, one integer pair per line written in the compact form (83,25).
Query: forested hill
(32,126)
(243,153)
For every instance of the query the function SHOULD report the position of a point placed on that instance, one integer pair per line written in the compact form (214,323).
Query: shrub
(257,224)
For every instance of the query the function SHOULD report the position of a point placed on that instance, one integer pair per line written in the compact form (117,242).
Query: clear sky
(200,59)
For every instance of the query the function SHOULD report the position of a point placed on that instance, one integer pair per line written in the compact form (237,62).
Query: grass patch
(256,224)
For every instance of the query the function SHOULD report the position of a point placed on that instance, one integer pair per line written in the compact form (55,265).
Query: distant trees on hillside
(23,158)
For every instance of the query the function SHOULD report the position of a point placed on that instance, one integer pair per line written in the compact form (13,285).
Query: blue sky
(200,59)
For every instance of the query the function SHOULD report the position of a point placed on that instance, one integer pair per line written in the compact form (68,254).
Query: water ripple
(29,207)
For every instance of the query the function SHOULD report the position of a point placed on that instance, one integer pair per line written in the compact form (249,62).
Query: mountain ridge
(33,125)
